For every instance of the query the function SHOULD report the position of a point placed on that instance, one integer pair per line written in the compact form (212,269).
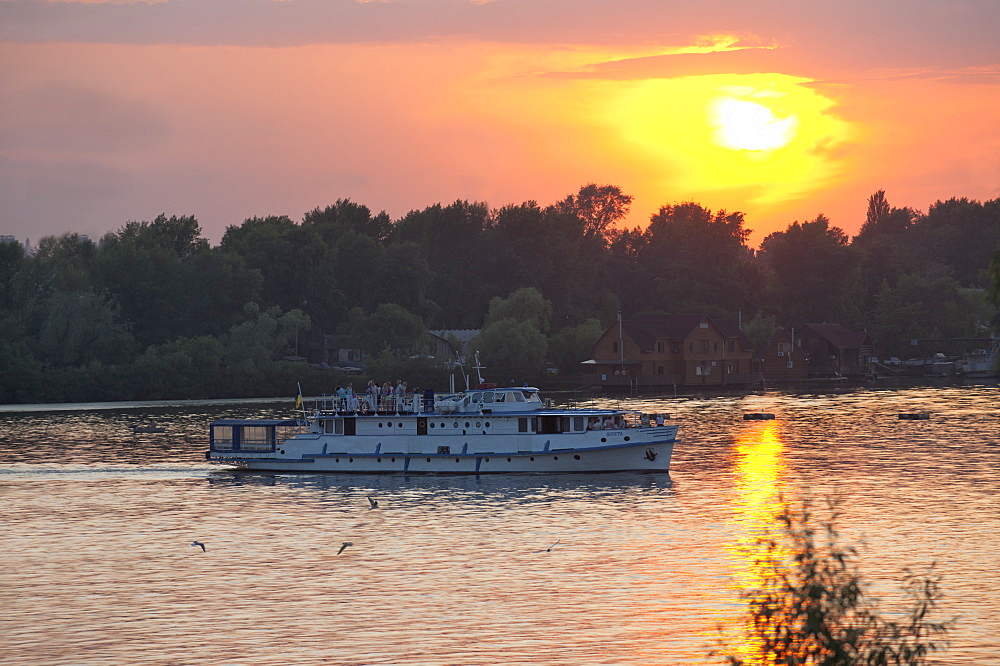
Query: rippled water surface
(96,565)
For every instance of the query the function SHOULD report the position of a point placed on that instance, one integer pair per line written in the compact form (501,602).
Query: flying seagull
(549,549)
(346,544)
(199,543)
(374,503)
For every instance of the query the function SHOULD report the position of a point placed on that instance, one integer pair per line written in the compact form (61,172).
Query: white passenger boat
(482,431)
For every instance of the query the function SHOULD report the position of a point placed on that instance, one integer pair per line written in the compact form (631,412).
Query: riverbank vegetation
(152,310)
(811,605)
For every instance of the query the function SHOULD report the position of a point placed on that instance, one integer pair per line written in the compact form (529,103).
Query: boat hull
(648,457)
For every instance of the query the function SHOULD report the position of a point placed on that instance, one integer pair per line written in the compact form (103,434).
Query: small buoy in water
(758,416)
(915,416)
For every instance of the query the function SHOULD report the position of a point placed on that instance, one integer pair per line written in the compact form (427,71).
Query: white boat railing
(368,403)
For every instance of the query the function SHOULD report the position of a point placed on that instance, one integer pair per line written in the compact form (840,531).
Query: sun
(745,125)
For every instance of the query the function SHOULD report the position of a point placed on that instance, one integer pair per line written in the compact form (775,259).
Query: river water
(97,566)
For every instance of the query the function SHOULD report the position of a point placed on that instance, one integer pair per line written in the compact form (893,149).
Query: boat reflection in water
(760,474)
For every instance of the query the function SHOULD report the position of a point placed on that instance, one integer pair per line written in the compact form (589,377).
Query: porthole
(379,460)
(487,424)
(532,458)
(458,460)
(604,439)
(508,459)
(428,460)
(555,457)
(487,460)
(478,424)
(627,438)
(433,425)
(350,460)
(282,452)
(393,460)
(466,424)
(389,424)
(379,424)
(399,425)
(442,425)
(456,424)
(336,460)
(576,457)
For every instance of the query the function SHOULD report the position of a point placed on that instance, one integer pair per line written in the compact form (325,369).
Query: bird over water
(199,543)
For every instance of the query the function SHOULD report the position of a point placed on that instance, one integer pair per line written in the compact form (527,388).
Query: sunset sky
(229,109)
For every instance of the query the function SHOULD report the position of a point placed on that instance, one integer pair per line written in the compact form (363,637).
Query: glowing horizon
(115,111)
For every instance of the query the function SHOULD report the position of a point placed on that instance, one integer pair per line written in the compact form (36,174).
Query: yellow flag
(298,401)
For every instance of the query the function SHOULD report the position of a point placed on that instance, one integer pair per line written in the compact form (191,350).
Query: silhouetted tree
(810,265)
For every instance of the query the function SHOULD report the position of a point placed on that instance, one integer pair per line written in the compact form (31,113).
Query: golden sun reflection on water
(760,470)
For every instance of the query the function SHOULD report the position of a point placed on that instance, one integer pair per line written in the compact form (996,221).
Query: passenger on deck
(609,424)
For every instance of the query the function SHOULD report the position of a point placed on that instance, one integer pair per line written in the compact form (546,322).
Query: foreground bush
(810,607)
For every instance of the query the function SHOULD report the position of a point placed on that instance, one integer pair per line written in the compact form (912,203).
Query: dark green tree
(599,208)
(810,267)
(298,267)
(452,241)
(574,344)
(962,235)
(144,266)
(513,340)
(82,328)
(388,331)
(695,261)
(346,216)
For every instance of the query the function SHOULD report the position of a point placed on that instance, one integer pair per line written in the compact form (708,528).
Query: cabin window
(501,397)
(518,396)
(328,425)
(222,436)
(488,396)
(522,424)
(551,424)
(578,423)
(256,437)
(285,432)
(564,424)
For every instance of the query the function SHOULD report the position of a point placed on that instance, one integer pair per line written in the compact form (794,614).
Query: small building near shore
(835,351)
(782,360)
(658,350)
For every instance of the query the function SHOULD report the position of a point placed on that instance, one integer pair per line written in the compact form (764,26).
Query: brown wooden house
(782,360)
(835,351)
(664,350)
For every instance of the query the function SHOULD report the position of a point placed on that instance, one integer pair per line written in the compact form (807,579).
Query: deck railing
(369,403)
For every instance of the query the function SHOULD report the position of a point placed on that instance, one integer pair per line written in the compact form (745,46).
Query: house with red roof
(835,351)
(658,350)
(782,359)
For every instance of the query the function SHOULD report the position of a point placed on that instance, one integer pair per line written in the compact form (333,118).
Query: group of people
(616,422)
(385,398)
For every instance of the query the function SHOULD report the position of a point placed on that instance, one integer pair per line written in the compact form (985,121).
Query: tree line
(153,310)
